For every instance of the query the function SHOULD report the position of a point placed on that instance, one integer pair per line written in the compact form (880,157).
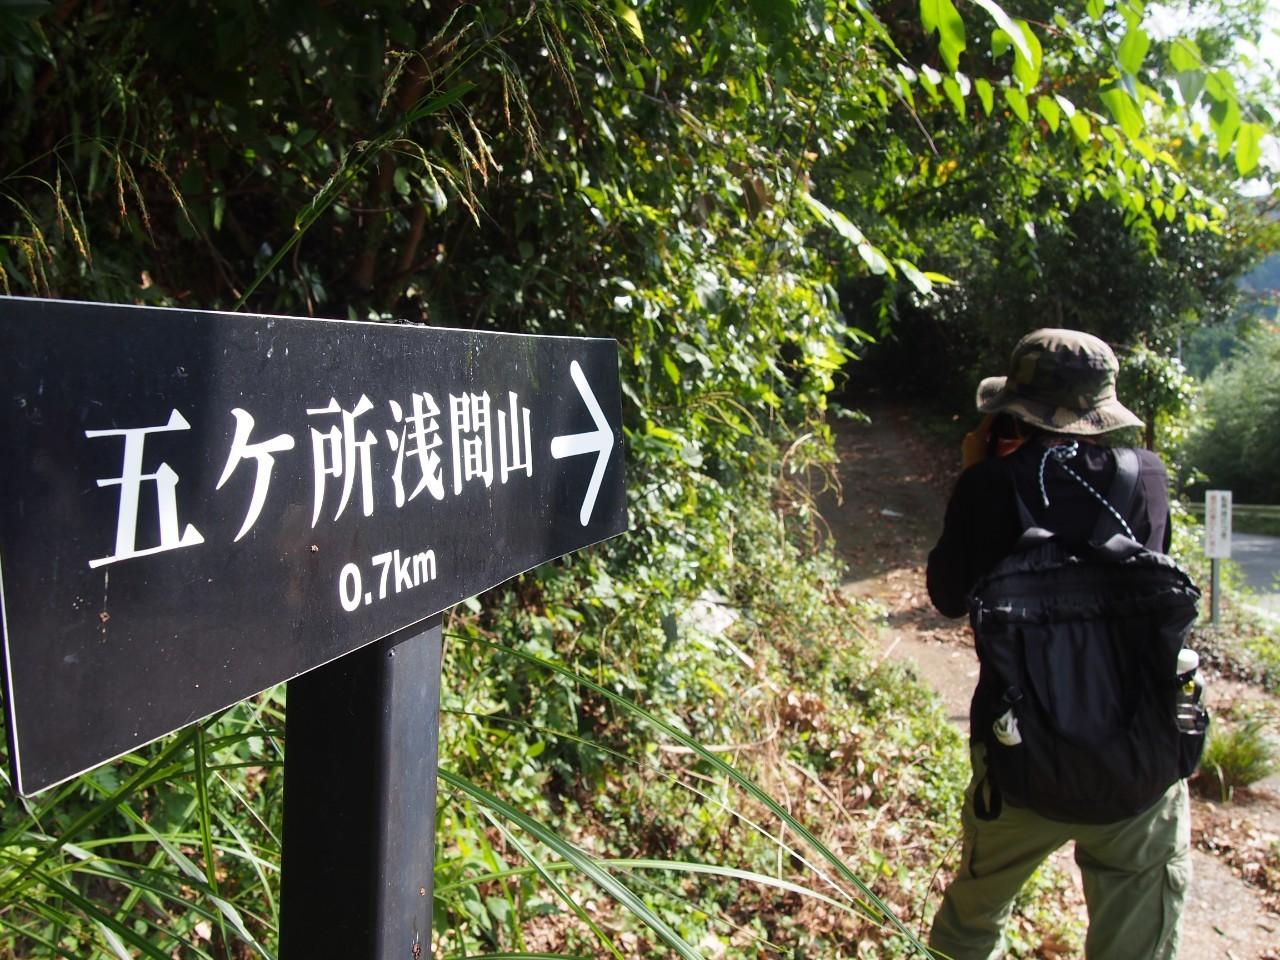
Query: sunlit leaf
(1017,101)
(673,371)
(1005,23)
(1123,110)
(1248,147)
(1221,86)
(952,89)
(833,218)
(942,16)
(1026,67)
(1224,120)
(985,94)
(1133,49)
(1048,108)
(929,79)
(1184,55)
(874,258)
(1081,127)
(918,279)
(629,17)
(1191,84)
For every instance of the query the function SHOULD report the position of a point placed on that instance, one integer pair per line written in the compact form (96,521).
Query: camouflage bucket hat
(1061,380)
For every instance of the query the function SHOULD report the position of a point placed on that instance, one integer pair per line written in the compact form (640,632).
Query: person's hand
(975,444)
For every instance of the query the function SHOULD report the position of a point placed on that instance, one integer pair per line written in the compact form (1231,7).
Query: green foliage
(1240,752)
(1236,445)
(174,848)
(694,180)
(1159,390)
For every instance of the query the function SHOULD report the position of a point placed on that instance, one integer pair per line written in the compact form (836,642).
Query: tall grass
(176,848)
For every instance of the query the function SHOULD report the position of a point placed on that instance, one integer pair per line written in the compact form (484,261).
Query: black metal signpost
(195,506)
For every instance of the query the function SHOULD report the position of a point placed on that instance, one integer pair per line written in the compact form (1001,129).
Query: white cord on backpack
(1067,451)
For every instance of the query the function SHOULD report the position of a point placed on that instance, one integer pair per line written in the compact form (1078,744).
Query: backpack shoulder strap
(1120,495)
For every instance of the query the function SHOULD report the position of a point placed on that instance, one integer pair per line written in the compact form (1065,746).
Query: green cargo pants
(1135,877)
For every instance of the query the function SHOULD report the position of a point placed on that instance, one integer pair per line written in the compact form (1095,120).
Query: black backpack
(1078,644)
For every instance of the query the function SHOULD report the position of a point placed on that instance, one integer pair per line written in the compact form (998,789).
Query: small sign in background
(1217,524)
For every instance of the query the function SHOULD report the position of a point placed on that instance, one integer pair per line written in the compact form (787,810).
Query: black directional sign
(195,506)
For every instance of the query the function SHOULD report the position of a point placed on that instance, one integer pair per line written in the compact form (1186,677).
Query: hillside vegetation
(749,198)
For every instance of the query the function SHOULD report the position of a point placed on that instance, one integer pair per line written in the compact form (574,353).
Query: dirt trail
(895,488)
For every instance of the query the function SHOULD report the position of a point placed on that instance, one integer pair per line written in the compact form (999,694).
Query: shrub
(1237,755)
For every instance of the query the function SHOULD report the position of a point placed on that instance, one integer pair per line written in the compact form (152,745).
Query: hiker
(1060,391)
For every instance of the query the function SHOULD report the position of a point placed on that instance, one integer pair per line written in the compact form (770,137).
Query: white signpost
(1217,540)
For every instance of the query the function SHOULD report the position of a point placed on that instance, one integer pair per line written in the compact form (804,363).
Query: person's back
(1061,392)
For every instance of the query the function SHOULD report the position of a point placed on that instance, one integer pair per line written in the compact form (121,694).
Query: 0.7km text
(395,574)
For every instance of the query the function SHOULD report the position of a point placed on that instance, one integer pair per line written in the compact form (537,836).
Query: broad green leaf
(1066,105)
(628,16)
(1191,84)
(1005,23)
(904,85)
(1027,69)
(1081,127)
(1248,147)
(1221,86)
(985,94)
(1224,121)
(1123,110)
(673,371)
(1184,55)
(954,93)
(1133,49)
(834,219)
(1000,44)
(433,104)
(1096,8)
(1048,108)
(918,280)
(875,259)
(942,16)
(1017,100)
(400,181)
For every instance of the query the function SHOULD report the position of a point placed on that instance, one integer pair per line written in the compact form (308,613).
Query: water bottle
(1188,713)
(1006,729)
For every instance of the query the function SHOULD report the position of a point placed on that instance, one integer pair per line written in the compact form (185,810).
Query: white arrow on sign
(599,441)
